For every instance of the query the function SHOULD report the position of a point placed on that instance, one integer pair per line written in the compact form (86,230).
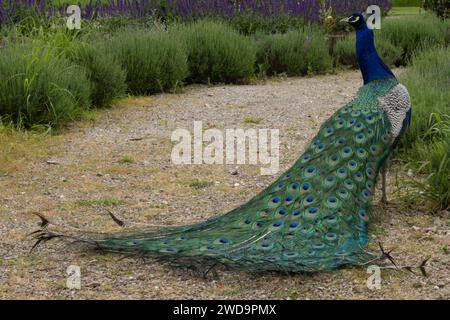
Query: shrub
(217,53)
(104,72)
(25,15)
(440,7)
(412,33)
(407,3)
(154,60)
(426,146)
(40,87)
(294,53)
(345,51)
(249,23)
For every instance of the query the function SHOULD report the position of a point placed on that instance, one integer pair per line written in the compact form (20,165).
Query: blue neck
(370,63)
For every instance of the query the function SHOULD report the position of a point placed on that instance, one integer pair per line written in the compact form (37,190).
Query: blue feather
(370,63)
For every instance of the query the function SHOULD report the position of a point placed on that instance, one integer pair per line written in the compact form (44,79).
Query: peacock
(315,216)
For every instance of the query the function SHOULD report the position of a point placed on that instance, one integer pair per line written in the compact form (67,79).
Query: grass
(17,147)
(126,160)
(428,79)
(103,202)
(199,184)
(406,3)
(298,52)
(158,206)
(40,87)
(253,120)
(426,146)
(446,249)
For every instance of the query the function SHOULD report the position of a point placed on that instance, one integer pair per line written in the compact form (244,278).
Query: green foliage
(413,33)
(59,3)
(39,86)
(105,27)
(154,60)
(297,52)
(251,23)
(406,3)
(104,72)
(216,52)
(428,80)
(401,11)
(126,159)
(26,17)
(103,202)
(440,7)
(434,161)
(199,184)
(344,51)
(426,145)
(253,120)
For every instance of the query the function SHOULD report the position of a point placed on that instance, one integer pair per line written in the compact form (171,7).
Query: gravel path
(121,162)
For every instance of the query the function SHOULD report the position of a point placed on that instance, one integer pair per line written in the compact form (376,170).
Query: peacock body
(315,216)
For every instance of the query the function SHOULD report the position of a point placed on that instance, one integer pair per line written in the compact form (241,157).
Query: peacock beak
(345,20)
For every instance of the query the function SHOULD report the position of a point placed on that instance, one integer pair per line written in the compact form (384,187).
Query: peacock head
(356,20)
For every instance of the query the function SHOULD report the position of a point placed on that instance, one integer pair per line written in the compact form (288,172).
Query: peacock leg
(383,184)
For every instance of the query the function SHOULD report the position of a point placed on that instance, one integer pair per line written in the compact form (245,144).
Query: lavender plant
(309,10)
